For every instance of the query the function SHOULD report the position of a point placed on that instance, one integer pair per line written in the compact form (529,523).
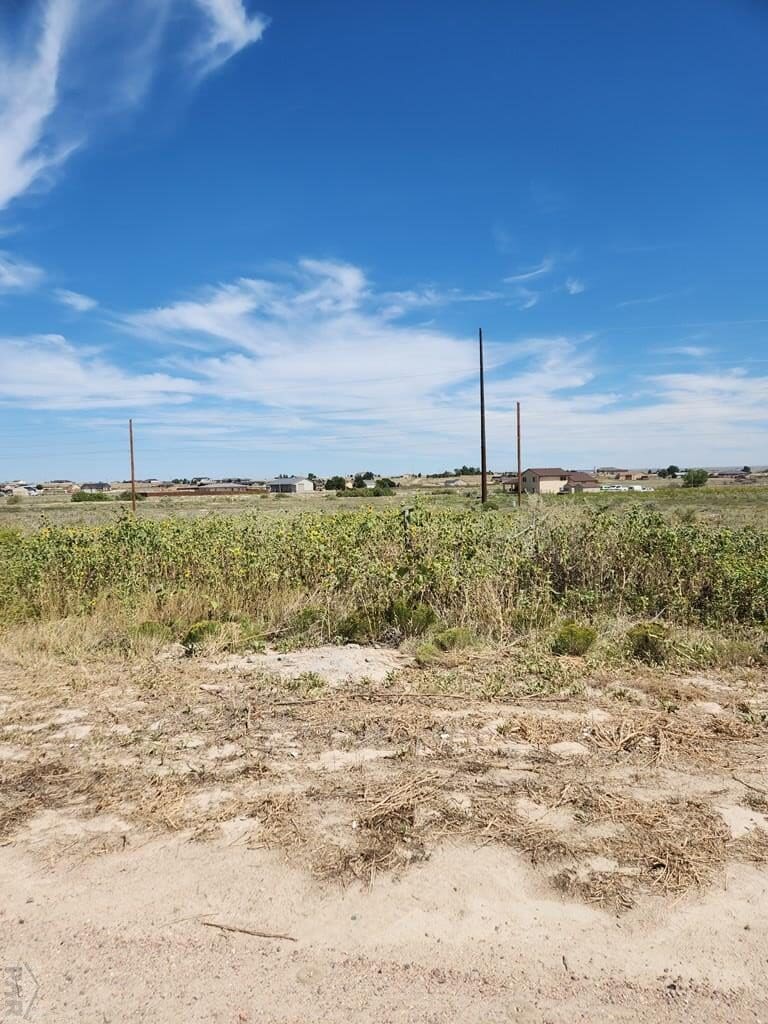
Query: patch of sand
(334,664)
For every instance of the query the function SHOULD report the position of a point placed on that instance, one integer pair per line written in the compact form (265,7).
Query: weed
(198,634)
(573,639)
(648,642)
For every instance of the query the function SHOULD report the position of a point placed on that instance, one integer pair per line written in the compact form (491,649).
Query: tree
(359,481)
(311,476)
(335,483)
(662,473)
(673,470)
(695,477)
(368,476)
(746,469)
(386,482)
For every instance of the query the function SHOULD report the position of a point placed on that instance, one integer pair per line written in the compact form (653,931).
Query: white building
(291,485)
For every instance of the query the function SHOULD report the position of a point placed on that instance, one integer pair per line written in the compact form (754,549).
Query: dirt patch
(611,805)
(333,664)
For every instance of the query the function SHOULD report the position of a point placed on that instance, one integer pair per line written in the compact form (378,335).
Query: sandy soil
(433,855)
(471,935)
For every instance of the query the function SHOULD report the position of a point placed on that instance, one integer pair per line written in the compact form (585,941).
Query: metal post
(133,469)
(483,458)
(519,461)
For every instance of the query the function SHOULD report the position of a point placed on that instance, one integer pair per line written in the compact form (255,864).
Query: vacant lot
(455,764)
(436,841)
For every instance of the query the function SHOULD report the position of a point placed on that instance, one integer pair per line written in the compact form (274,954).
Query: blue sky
(269,234)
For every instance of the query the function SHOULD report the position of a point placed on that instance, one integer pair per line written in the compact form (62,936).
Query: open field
(721,506)
(494,765)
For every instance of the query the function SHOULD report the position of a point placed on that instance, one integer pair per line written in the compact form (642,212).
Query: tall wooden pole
(133,468)
(483,458)
(519,461)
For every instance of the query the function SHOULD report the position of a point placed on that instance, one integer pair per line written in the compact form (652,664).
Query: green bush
(126,496)
(357,627)
(648,642)
(411,617)
(455,638)
(695,477)
(88,496)
(573,639)
(197,634)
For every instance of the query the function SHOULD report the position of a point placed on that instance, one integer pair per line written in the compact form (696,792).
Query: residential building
(550,480)
(96,488)
(291,485)
(579,482)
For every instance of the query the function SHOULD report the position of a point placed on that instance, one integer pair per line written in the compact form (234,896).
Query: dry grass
(174,746)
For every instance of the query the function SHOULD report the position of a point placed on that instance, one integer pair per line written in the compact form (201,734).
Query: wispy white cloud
(694,351)
(574,286)
(545,267)
(310,364)
(29,81)
(46,371)
(649,301)
(67,64)
(76,301)
(230,30)
(16,275)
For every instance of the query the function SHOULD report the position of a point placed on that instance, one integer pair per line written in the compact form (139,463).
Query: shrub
(357,626)
(198,634)
(13,499)
(695,477)
(411,617)
(89,496)
(573,639)
(126,496)
(453,639)
(647,641)
(335,483)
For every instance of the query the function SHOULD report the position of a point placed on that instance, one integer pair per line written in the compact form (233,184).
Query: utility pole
(519,462)
(483,458)
(133,468)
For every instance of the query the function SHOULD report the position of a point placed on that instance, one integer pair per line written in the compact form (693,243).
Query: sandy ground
(431,855)
(471,935)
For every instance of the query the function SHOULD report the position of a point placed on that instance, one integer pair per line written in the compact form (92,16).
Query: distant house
(551,480)
(617,474)
(96,488)
(290,485)
(579,482)
(23,491)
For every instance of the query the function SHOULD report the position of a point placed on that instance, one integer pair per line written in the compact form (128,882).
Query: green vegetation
(648,642)
(80,496)
(379,491)
(197,635)
(496,573)
(573,639)
(335,483)
(695,477)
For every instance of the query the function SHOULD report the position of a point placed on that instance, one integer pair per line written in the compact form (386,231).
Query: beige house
(554,480)
(579,482)
(544,481)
